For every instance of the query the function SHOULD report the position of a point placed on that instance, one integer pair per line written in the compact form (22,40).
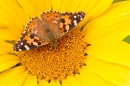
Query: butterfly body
(48,29)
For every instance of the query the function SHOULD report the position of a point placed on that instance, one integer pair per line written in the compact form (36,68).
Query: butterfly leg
(54,44)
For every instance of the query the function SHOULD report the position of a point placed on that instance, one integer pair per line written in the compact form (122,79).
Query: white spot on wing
(81,17)
(75,16)
(27,48)
(21,43)
(75,22)
(20,50)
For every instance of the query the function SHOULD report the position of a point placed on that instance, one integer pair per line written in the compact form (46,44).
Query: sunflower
(94,53)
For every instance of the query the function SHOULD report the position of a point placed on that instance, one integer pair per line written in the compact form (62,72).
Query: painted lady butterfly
(52,25)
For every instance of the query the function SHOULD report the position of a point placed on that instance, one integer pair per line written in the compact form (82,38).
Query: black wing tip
(50,11)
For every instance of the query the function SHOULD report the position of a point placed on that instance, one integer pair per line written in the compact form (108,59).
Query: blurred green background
(118,0)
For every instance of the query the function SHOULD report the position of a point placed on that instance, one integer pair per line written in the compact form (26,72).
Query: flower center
(56,64)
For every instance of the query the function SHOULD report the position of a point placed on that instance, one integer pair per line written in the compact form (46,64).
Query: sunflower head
(57,48)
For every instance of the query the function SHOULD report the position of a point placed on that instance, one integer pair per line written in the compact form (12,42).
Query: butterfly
(51,26)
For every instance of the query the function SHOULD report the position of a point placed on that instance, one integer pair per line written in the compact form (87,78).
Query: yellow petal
(14,11)
(10,23)
(46,83)
(5,48)
(113,24)
(82,79)
(91,79)
(9,35)
(92,8)
(30,81)
(111,51)
(13,77)
(117,74)
(28,7)
(33,9)
(41,5)
(43,83)
(55,83)
(8,61)
(71,81)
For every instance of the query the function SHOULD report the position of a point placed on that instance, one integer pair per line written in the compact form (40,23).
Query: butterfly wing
(61,23)
(69,21)
(51,20)
(52,26)
(32,37)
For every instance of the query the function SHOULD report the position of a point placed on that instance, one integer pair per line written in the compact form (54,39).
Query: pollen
(59,63)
